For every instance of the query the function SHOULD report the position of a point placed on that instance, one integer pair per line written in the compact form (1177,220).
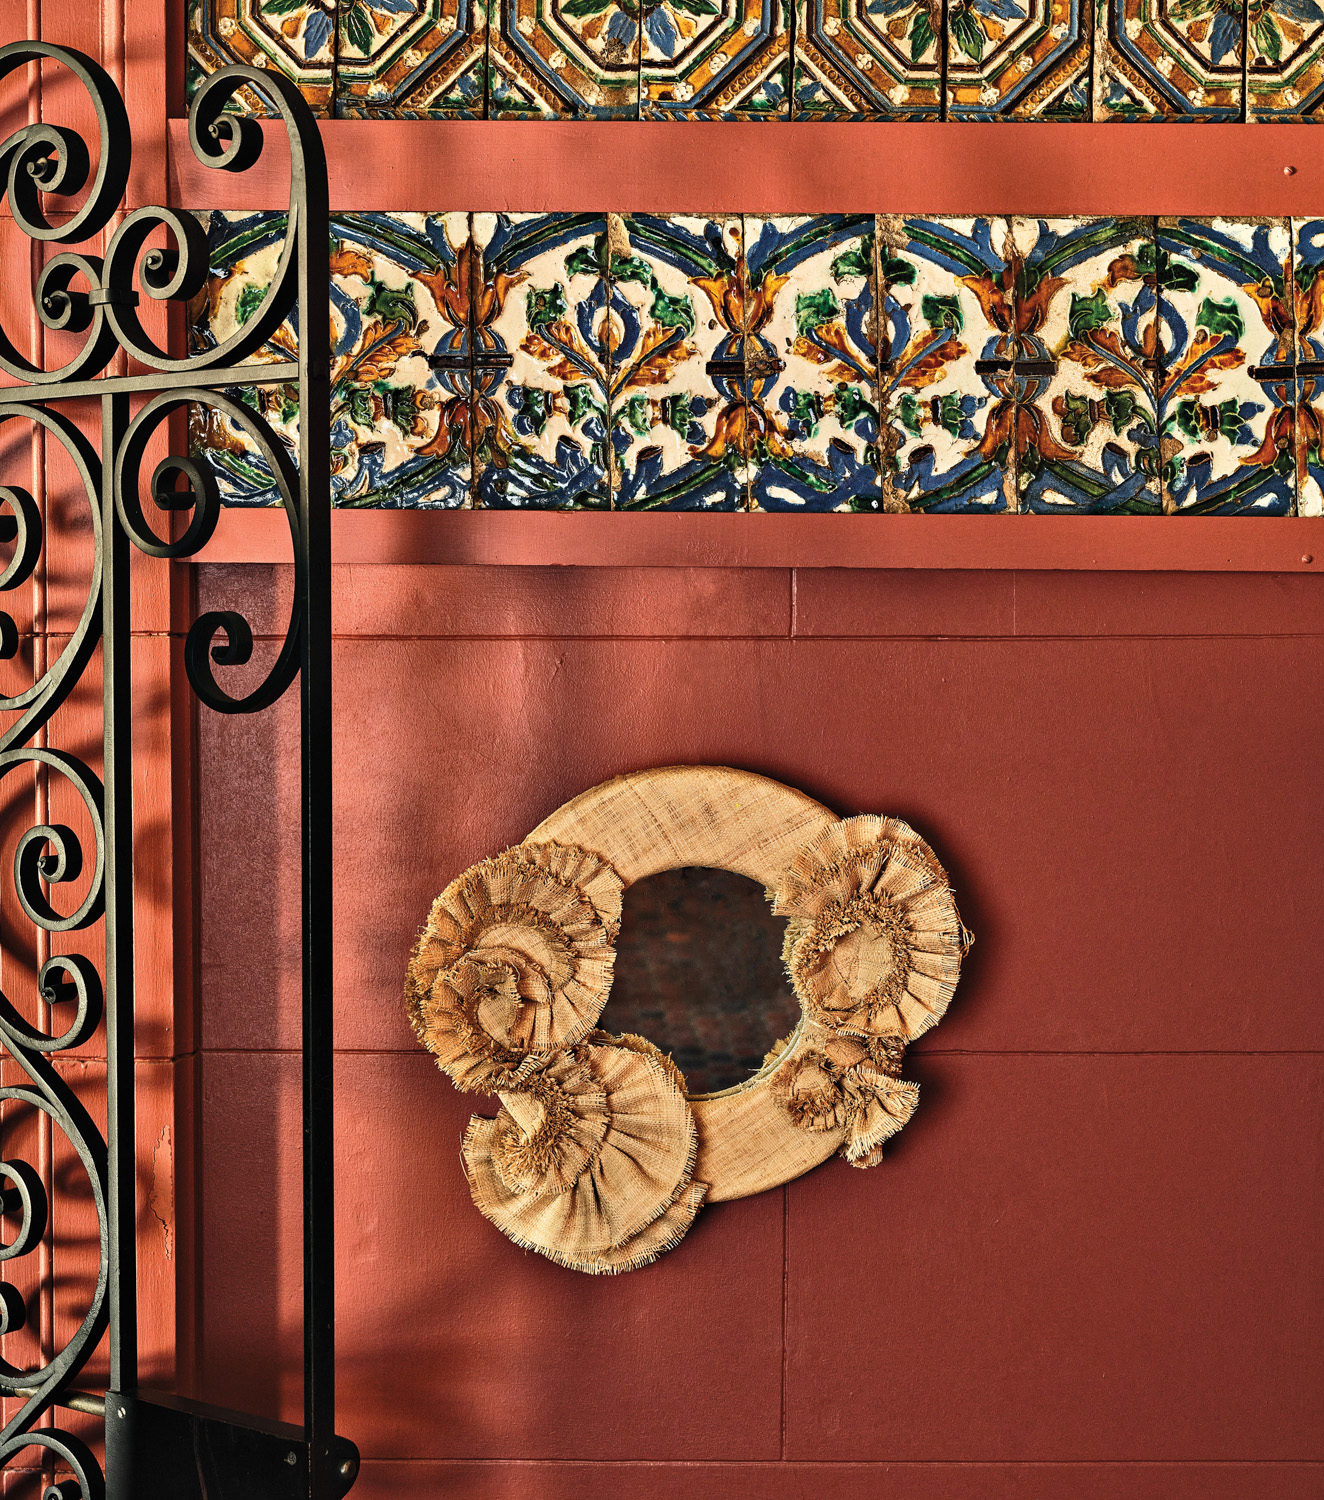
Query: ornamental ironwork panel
(160,1446)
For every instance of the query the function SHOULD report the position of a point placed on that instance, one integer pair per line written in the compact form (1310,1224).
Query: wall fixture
(599,1158)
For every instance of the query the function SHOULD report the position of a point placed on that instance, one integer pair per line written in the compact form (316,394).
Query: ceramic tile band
(1060,60)
(816,363)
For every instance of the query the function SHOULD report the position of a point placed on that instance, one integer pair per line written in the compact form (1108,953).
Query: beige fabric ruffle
(598,1159)
(842,1088)
(873,940)
(587,1157)
(515,961)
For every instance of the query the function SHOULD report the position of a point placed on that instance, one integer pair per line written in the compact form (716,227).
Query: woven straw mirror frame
(599,1158)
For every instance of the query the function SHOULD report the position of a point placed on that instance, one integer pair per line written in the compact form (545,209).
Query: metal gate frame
(159,1446)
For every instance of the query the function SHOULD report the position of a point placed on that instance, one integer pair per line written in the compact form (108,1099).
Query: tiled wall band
(1197,61)
(819,363)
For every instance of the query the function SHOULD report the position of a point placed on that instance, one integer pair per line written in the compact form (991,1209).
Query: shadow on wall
(249,1271)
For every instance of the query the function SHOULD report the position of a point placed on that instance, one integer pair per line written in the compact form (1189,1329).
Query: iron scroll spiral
(97,300)
(202,497)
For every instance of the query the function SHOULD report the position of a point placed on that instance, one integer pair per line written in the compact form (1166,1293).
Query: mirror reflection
(699,973)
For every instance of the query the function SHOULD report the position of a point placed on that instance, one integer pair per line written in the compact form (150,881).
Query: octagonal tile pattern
(562,59)
(293,37)
(717,59)
(1017,59)
(868,59)
(1170,58)
(412,59)
(1198,61)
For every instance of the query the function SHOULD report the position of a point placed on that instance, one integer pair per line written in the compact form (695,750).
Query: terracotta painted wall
(1089,1267)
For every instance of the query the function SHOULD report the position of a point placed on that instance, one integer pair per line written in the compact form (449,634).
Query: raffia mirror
(600,1158)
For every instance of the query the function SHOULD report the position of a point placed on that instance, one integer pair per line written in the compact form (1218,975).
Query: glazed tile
(702,61)
(811,357)
(868,59)
(244,251)
(542,361)
(1227,375)
(1086,320)
(1308,286)
(566,58)
(399,431)
(1018,59)
(293,37)
(1168,60)
(678,415)
(946,392)
(1285,69)
(412,59)
(564,361)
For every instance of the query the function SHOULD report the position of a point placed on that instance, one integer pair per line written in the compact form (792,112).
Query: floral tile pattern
(946,393)
(802,363)
(1227,367)
(1018,59)
(566,58)
(1169,59)
(543,341)
(1085,365)
(868,59)
(412,59)
(678,413)
(1308,289)
(811,363)
(399,304)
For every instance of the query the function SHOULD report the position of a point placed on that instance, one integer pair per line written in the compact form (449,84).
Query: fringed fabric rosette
(873,941)
(591,1158)
(515,961)
(597,1158)
(849,1087)
(591,1162)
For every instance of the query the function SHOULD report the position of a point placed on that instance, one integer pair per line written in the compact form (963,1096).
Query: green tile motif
(1198,61)
(828,363)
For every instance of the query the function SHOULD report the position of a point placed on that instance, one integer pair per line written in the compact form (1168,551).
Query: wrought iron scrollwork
(63,190)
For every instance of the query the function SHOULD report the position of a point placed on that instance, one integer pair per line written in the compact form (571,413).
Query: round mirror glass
(699,973)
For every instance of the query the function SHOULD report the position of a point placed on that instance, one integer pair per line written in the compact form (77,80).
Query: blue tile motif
(801,363)
(399,307)
(1228,380)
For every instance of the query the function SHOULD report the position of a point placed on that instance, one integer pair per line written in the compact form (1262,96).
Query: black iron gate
(160,1447)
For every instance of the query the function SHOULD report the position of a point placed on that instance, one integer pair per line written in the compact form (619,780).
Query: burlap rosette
(591,1162)
(515,961)
(597,1158)
(873,941)
(849,1087)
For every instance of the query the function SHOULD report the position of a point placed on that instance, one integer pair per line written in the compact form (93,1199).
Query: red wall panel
(1090,1265)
